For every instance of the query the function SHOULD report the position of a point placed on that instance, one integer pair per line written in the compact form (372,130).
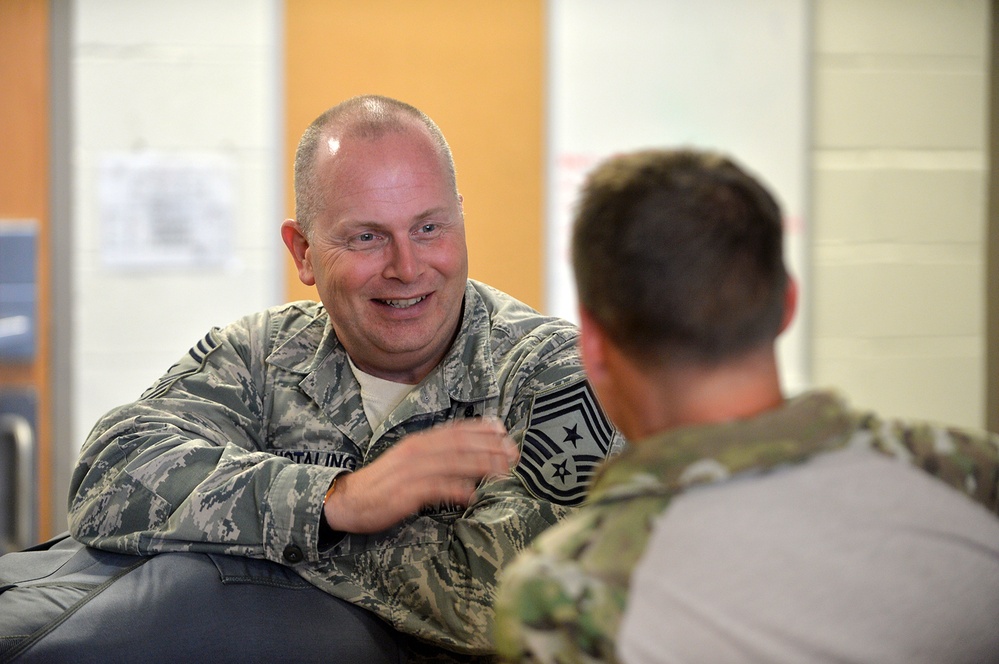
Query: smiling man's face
(387,251)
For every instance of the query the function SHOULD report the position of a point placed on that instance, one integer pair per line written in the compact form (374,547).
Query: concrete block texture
(862,108)
(913,27)
(935,379)
(908,298)
(899,204)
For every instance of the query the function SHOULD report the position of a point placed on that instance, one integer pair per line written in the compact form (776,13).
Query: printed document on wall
(162,211)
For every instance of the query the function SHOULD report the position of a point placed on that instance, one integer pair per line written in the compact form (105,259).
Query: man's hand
(443,464)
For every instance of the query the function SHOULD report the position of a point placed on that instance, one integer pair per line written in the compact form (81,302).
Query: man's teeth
(402,304)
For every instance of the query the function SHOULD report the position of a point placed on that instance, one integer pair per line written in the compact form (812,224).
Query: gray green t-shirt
(850,557)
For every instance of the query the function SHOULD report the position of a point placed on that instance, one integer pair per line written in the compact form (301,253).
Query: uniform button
(469,411)
(293,554)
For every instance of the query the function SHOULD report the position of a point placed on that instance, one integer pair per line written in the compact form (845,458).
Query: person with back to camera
(741,525)
(396,444)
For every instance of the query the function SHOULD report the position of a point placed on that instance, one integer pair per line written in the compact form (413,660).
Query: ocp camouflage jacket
(563,599)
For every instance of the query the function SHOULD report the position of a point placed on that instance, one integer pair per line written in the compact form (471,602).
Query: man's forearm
(146,487)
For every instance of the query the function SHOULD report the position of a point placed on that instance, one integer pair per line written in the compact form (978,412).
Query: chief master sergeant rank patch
(567,438)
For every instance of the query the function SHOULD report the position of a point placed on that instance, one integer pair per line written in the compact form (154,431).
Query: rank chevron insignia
(566,440)
(190,364)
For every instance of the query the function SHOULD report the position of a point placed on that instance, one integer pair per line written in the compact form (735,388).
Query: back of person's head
(679,254)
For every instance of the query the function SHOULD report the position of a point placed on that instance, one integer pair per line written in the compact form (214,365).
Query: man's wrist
(329,492)
(327,536)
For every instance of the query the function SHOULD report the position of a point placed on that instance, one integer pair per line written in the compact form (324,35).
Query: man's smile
(403,304)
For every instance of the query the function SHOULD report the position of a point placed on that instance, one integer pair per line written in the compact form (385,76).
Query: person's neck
(690,395)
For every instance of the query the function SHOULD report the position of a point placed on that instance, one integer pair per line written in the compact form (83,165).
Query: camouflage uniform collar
(467,371)
(299,353)
(812,423)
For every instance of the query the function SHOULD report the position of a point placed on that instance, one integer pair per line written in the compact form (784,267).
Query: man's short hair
(678,255)
(365,116)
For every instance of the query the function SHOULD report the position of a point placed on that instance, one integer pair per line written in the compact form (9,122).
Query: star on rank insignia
(567,438)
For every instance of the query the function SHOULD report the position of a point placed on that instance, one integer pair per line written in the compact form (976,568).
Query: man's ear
(592,346)
(790,303)
(298,244)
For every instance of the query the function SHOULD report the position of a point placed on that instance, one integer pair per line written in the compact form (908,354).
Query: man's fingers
(461,491)
(468,448)
(499,441)
(479,454)
(443,464)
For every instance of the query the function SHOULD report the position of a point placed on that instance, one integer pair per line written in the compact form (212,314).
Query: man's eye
(428,228)
(366,241)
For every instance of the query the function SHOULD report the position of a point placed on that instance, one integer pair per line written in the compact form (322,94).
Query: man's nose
(404,263)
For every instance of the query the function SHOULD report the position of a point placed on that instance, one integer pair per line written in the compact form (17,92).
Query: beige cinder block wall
(899,204)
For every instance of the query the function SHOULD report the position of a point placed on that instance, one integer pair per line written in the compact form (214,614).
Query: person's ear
(298,244)
(790,303)
(592,346)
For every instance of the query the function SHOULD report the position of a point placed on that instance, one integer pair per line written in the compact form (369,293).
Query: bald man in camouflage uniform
(395,445)
(741,526)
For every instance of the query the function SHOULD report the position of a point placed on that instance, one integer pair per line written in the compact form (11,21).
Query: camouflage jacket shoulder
(563,600)
(233,448)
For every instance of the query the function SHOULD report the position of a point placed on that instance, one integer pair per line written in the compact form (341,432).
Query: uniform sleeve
(183,468)
(966,460)
(448,597)
(560,601)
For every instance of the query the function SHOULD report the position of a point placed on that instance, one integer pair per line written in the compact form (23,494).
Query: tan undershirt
(379,396)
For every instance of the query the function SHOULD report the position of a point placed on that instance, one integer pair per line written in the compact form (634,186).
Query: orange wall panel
(24,194)
(477,69)
(24,107)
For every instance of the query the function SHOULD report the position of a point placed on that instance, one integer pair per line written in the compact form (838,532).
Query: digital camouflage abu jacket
(233,449)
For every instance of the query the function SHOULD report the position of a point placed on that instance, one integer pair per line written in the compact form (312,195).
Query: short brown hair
(679,253)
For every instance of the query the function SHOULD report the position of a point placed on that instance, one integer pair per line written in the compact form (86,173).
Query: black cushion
(69,603)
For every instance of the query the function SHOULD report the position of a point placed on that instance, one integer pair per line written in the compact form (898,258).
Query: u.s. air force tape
(567,438)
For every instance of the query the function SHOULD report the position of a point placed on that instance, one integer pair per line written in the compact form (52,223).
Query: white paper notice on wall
(166,210)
